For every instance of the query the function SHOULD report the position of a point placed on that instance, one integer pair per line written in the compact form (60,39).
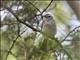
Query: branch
(34,6)
(70,33)
(10,10)
(13,44)
(10,53)
(21,33)
(59,43)
(67,36)
(11,47)
(46,7)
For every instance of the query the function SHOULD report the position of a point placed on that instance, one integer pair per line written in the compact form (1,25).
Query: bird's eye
(48,16)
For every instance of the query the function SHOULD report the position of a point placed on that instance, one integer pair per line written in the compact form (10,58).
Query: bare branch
(47,7)
(10,10)
(70,33)
(10,53)
(11,47)
(34,6)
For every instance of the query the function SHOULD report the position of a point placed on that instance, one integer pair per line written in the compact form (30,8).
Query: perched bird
(49,26)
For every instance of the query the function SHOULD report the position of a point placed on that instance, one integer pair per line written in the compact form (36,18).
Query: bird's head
(48,17)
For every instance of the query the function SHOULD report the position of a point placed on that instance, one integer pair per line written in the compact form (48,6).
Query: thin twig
(13,44)
(10,53)
(52,7)
(10,10)
(70,57)
(47,7)
(18,24)
(70,33)
(64,50)
(34,6)
(59,43)
(11,47)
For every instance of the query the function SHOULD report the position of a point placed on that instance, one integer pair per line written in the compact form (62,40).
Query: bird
(49,26)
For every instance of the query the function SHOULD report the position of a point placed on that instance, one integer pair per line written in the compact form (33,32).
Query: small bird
(49,25)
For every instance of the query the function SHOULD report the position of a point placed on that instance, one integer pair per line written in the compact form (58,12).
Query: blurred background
(20,42)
